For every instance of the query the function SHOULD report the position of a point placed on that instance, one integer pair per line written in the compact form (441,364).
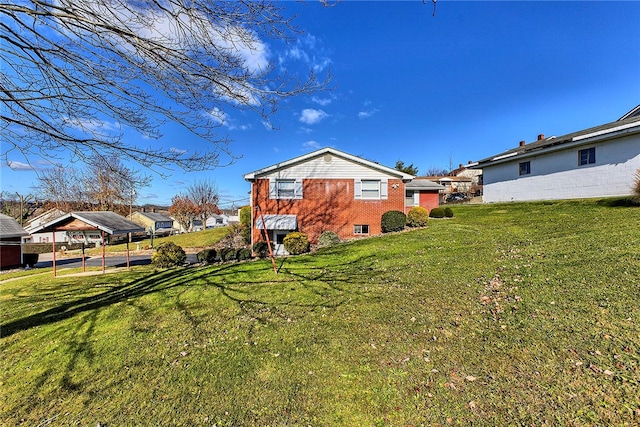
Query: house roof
(608,131)
(109,222)
(9,227)
(327,150)
(423,184)
(154,216)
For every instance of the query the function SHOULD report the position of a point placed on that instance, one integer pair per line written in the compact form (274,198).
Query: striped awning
(277,222)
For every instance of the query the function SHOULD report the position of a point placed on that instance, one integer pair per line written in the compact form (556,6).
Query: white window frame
(277,188)
(358,229)
(371,189)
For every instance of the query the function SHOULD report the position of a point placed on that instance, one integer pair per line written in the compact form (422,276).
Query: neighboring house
(153,222)
(422,192)
(326,190)
(11,235)
(42,219)
(450,184)
(216,220)
(596,162)
(91,227)
(468,171)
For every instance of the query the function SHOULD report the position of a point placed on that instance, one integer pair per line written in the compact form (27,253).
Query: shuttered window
(285,189)
(371,189)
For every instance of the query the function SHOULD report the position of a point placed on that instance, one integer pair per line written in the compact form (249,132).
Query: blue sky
(433,91)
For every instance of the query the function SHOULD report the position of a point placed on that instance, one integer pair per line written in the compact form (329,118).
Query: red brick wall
(328,204)
(10,255)
(429,200)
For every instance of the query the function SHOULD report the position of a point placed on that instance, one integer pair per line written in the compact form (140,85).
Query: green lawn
(507,314)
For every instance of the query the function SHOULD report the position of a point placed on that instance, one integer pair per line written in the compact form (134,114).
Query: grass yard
(507,314)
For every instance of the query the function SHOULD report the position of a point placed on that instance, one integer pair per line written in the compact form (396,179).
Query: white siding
(557,175)
(334,168)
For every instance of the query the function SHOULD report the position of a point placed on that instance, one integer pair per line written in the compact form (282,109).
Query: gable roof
(327,150)
(9,227)
(154,216)
(423,184)
(608,131)
(109,222)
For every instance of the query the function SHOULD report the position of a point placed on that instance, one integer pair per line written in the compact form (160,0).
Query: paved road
(96,261)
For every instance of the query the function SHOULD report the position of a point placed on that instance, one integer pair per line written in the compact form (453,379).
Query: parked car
(455,197)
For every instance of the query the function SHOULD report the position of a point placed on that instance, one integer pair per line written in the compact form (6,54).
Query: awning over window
(277,222)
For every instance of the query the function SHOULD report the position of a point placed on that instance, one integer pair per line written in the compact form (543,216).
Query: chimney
(541,137)
(460,166)
(522,143)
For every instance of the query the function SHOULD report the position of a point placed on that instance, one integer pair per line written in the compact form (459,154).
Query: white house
(598,162)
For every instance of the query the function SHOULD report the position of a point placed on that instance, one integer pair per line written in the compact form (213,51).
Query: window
(525,168)
(285,189)
(361,229)
(587,156)
(372,189)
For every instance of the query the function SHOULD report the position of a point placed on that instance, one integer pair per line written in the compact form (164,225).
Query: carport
(90,227)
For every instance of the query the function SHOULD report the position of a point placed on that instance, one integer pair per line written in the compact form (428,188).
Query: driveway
(73,261)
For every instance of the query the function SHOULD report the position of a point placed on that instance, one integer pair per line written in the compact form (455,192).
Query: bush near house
(437,213)
(228,254)
(448,212)
(328,238)
(243,254)
(261,249)
(168,255)
(296,243)
(393,221)
(417,217)
(636,187)
(208,256)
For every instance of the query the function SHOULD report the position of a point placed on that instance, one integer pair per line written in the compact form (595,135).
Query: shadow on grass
(334,278)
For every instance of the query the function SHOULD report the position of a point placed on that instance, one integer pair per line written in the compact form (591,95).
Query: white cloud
(309,50)
(366,114)
(219,116)
(311,116)
(322,101)
(19,166)
(178,150)
(311,144)
(94,125)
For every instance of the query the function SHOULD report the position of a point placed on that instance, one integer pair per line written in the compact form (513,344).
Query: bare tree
(77,75)
(436,171)
(63,187)
(109,183)
(204,194)
(104,184)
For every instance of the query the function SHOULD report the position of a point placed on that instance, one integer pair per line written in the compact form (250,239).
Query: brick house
(11,235)
(326,190)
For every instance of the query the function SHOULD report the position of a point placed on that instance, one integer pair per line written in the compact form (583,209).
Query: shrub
(207,256)
(245,216)
(393,221)
(328,238)
(30,259)
(245,232)
(168,255)
(261,249)
(437,213)
(417,217)
(243,254)
(448,212)
(228,254)
(636,187)
(296,243)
